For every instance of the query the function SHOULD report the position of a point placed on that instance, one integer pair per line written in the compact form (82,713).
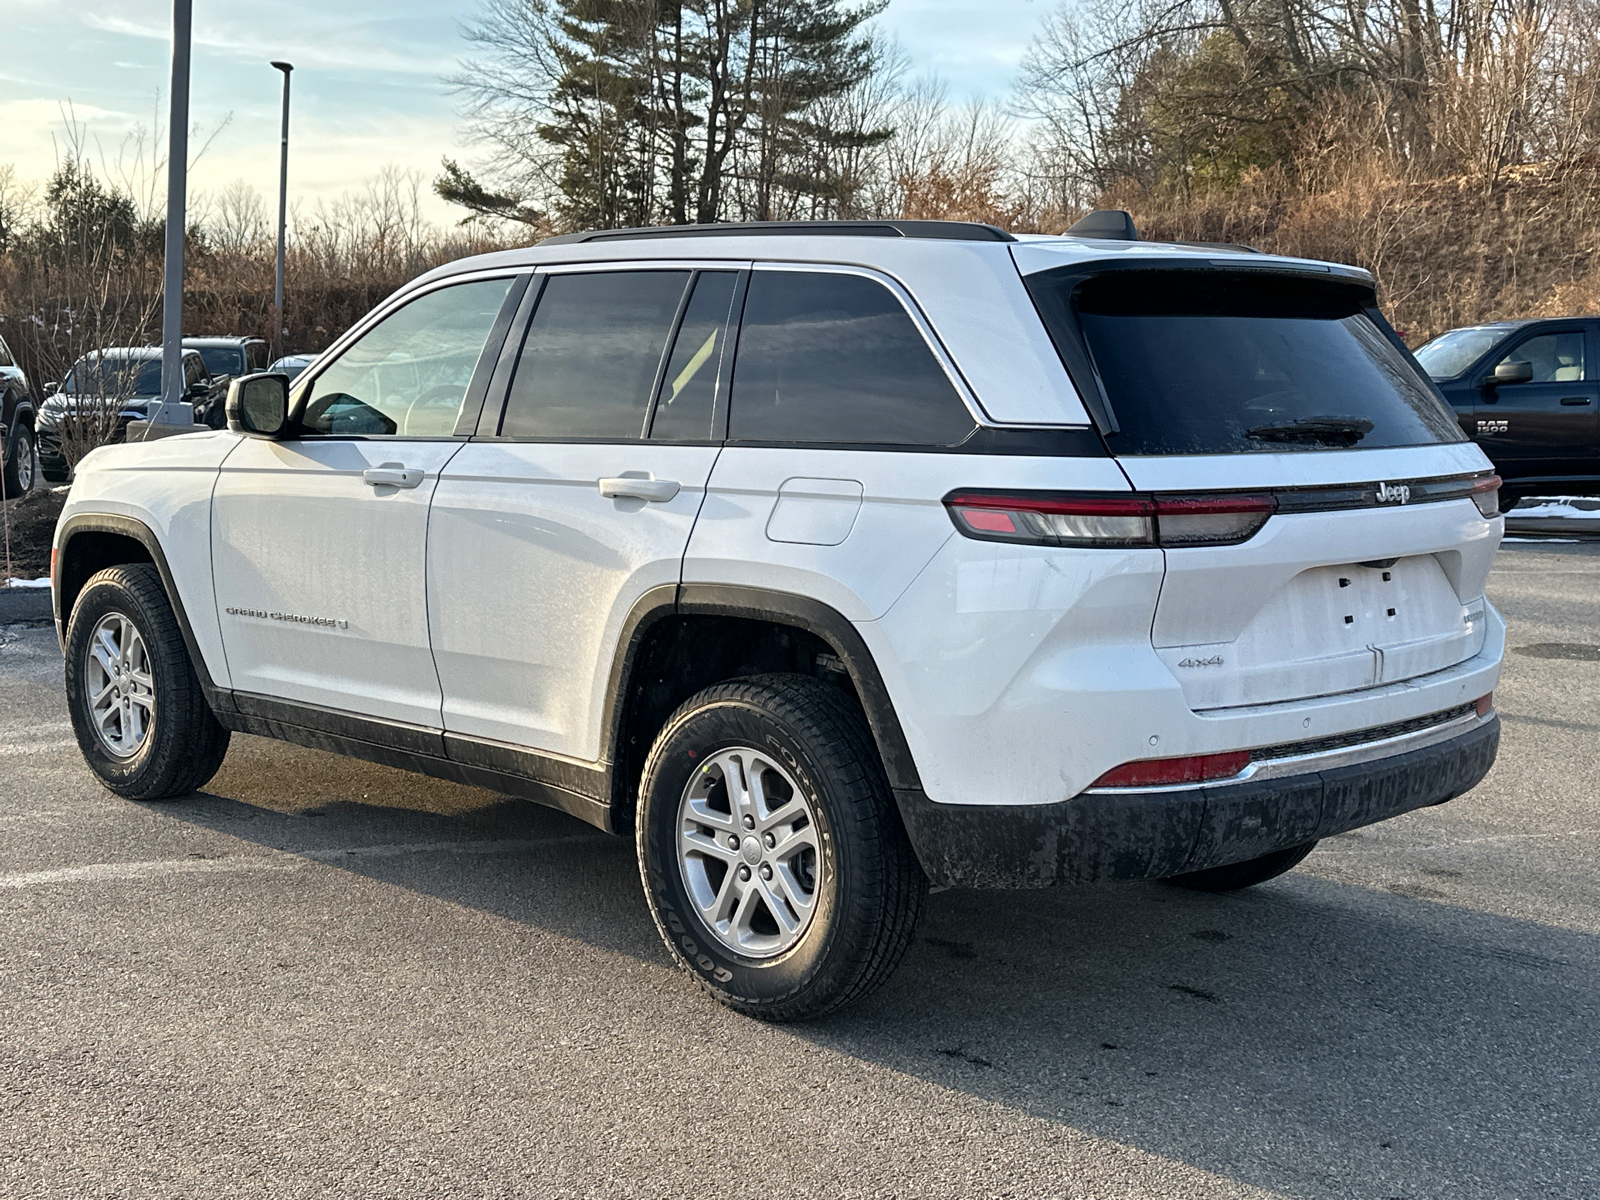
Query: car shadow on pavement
(1309,1037)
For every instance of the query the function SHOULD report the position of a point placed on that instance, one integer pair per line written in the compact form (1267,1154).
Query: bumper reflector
(1485,705)
(1162,772)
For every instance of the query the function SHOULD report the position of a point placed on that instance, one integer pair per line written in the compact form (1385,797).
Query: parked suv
(1528,392)
(17,458)
(108,388)
(825,561)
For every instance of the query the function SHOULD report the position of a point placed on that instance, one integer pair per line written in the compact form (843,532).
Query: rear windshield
(223,360)
(1209,363)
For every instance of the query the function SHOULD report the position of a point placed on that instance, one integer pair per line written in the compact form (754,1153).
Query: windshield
(1451,353)
(1208,363)
(222,360)
(116,377)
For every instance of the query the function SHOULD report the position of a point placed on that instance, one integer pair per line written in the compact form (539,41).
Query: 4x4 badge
(1393,493)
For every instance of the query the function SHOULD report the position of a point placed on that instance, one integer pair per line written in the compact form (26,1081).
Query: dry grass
(1447,251)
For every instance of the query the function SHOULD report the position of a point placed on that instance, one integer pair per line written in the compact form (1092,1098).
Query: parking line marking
(21,749)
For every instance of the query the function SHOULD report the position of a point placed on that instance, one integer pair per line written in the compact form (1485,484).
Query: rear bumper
(1126,834)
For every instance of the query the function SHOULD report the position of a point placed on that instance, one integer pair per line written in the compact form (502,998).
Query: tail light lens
(1054,519)
(1050,520)
(1160,772)
(1486,495)
(1211,520)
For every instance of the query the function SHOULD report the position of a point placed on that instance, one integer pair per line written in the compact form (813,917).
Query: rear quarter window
(1197,362)
(834,358)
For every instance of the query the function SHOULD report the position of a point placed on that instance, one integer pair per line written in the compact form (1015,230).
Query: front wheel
(1245,874)
(772,855)
(141,718)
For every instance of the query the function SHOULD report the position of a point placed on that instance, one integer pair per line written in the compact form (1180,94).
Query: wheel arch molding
(630,722)
(90,542)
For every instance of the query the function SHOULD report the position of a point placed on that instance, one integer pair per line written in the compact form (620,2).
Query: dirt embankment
(29,523)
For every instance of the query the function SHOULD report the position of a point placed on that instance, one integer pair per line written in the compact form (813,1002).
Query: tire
(1508,502)
(867,888)
(19,467)
(166,741)
(1252,871)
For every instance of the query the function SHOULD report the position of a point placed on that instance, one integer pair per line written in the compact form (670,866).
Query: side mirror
(51,388)
(258,405)
(1511,372)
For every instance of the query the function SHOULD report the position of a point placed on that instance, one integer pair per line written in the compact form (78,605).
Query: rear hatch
(1360,557)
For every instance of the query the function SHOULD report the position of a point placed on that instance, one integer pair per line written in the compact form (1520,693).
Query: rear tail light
(1486,495)
(1056,519)
(1046,520)
(1160,772)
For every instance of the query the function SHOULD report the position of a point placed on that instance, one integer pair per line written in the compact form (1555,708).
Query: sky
(367,90)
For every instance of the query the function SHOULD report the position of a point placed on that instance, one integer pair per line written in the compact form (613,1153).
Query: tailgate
(1321,602)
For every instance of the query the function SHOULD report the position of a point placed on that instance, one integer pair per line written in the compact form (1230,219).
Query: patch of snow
(28,583)
(1546,540)
(1570,508)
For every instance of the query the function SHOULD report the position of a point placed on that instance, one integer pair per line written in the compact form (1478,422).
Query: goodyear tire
(140,716)
(771,852)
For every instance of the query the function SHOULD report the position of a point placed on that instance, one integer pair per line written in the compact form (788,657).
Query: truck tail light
(1162,772)
(1059,519)
(1486,495)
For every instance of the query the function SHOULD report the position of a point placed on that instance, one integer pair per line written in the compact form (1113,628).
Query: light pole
(172,389)
(283,215)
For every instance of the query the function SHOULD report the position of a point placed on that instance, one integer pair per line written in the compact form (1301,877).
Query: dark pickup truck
(1528,392)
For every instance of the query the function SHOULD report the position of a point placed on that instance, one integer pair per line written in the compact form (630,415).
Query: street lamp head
(283,66)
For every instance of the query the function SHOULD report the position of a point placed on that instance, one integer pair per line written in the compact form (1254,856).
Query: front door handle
(1574,400)
(391,475)
(626,487)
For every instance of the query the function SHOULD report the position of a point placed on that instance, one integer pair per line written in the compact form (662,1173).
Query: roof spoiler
(1110,223)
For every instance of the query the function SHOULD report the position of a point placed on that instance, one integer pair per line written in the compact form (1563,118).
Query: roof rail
(1110,223)
(957,231)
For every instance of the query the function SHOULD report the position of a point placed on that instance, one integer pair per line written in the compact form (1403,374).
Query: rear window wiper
(1333,431)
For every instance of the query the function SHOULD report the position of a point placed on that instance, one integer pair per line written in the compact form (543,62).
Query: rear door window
(828,357)
(594,347)
(686,407)
(1210,363)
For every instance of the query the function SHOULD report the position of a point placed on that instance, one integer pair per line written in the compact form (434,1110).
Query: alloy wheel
(747,847)
(119,685)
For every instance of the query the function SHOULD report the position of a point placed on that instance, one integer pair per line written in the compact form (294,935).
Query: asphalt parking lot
(321,977)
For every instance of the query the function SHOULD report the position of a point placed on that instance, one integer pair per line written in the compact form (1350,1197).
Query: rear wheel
(1246,874)
(771,851)
(19,467)
(137,708)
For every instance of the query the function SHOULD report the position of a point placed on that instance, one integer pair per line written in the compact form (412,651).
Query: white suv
(828,561)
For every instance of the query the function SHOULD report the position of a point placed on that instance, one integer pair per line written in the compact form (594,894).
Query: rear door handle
(626,487)
(1574,400)
(391,475)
